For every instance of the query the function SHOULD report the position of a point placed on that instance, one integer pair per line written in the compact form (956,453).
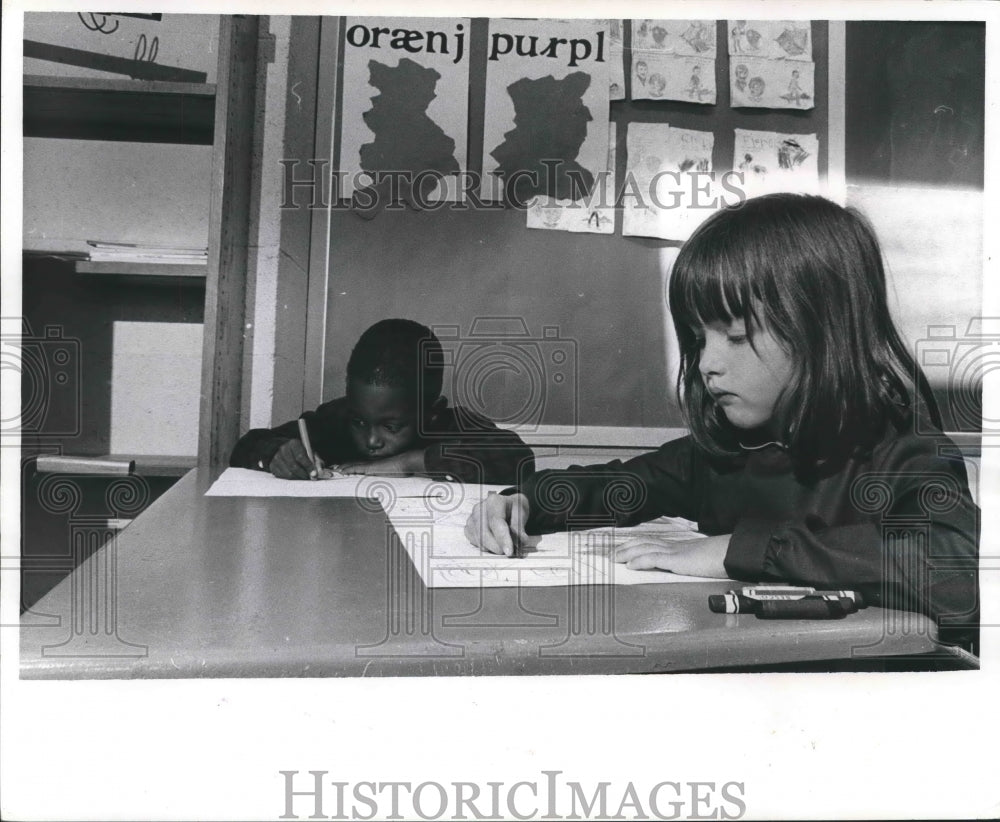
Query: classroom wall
(603,294)
(186,41)
(79,190)
(915,143)
(452,268)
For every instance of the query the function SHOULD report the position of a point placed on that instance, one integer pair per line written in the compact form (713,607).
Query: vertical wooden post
(228,239)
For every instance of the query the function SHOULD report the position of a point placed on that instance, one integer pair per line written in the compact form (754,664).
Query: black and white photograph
(335,489)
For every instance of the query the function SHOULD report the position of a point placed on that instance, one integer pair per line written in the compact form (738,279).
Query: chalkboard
(915,102)
(598,298)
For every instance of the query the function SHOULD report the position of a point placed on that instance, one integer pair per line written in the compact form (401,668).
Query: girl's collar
(758,439)
(762,445)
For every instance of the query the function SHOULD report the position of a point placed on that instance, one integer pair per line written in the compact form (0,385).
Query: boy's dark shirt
(898,524)
(457,443)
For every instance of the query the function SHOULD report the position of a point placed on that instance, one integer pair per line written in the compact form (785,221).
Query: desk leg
(408,608)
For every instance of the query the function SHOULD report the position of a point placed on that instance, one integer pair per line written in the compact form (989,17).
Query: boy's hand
(497,524)
(703,557)
(409,462)
(292,462)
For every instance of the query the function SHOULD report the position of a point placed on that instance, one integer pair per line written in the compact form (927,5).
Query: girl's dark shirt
(458,444)
(897,523)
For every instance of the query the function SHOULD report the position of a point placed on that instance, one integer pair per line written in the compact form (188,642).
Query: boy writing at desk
(392,420)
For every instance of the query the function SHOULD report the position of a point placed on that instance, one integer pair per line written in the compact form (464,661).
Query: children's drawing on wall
(741,76)
(770,162)
(753,171)
(405,109)
(668,187)
(700,37)
(794,41)
(758,83)
(673,60)
(593,215)
(694,38)
(743,39)
(770,39)
(640,76)
(795,94)
(616,64)
(546,114)
(673,77)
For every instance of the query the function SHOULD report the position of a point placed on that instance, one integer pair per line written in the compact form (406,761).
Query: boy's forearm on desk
(256,449)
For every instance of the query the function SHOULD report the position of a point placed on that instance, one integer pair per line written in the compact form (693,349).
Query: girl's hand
(497,524)
(703,557)
(405,464)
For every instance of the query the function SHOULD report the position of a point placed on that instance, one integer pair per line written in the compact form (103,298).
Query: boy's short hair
(400,354)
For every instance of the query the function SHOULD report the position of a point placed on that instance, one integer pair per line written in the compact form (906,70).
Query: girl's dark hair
(811,272)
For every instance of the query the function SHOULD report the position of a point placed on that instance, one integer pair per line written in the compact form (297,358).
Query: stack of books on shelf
(105,252)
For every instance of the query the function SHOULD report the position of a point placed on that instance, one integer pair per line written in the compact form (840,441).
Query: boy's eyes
(391,427)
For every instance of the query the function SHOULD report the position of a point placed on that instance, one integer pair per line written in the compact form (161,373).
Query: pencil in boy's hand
(304,436)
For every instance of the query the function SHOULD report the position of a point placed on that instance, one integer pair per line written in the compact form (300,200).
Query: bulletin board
(483,275)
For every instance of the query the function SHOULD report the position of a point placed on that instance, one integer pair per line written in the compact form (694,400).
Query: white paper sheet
(669,192)
(429,517)
(770,161)
(244,482)
(434,538)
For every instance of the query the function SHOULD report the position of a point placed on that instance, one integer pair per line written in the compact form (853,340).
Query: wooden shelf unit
(135,273)
(142,111)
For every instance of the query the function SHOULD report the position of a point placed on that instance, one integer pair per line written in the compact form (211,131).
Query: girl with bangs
(808,425)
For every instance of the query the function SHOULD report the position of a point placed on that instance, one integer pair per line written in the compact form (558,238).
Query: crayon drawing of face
(551,214)
(656,84)
(756,88)
(742,72)
(641,71)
